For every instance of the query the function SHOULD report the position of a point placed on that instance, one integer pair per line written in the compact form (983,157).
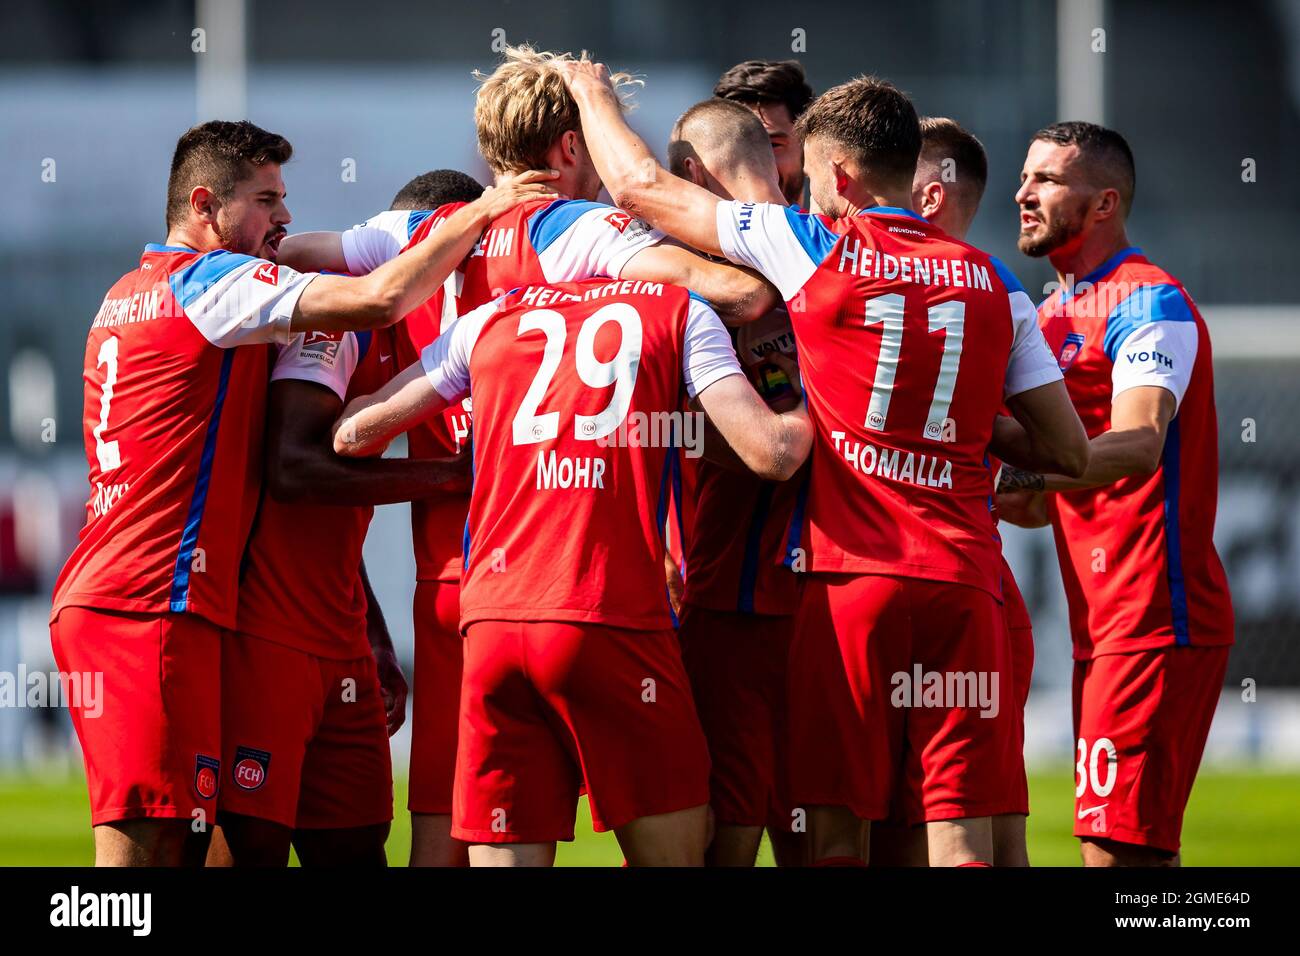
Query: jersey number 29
(532,426)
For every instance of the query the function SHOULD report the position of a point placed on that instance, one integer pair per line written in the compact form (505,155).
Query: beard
(230,239)
(1058,233)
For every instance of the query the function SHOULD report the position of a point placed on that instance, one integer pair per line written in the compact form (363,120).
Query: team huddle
(704,496)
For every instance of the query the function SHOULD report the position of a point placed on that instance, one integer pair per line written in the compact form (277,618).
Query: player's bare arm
(1045,433)
(771,444)
(633,176)
(302,468)
(1139,419)
(313,252)
(339,303)
(370,422)
(392,682)
(737,294)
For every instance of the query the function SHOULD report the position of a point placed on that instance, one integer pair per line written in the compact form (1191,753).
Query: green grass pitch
(1242,818)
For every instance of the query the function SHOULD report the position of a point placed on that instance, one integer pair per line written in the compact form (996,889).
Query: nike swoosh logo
(384,358)
(1090,810)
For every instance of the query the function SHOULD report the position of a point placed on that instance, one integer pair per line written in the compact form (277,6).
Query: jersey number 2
(887,310)
(108,452)
(531,427)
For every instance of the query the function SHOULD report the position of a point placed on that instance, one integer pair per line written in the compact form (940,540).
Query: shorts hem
(439,809)
(350,825)
(668,806)
(1136,837)
(876,813)
(941,814)
(491,836)
(169,812)
(264,817)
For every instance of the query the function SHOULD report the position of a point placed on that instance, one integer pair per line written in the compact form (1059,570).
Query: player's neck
(1076,260)
(748,188)
(200,240)
(569,185)
(897,199)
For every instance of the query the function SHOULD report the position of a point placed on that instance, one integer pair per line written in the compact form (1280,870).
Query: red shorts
(907,807)
(1021,631)
(547,707)
(304,737)
(891,676)
(148,714)
(737,667)
(1141,720)
(435,698)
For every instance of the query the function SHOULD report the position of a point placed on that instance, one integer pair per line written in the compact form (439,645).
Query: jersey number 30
(532,426)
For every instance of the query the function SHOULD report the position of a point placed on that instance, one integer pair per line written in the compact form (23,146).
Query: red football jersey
(1138,557)
(545,240)
(576,388)
(902,399)
(301,583)
(739,523)
(175,392)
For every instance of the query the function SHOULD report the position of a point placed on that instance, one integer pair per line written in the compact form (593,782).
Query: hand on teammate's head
(578,73)
(518,188)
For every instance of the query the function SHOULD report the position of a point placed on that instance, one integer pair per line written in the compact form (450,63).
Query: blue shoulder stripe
(817,240)
(203,273)
(414,219)
(1150,303)
(1007,276)
(550,222)
(363,344)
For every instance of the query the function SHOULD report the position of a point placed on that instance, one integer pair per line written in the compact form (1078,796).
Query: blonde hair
(523,107)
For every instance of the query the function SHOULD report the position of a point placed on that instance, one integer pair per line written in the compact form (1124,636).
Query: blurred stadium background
(94,94)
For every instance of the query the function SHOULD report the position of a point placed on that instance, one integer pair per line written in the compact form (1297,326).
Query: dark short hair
(872,118)
(437,188)
(722,128)
(948,139)
(219,154)
(1106,154)
(767,81)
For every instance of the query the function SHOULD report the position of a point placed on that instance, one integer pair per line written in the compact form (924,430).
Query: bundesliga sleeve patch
(323,347)
(628,227)
(251,768)
(267,272)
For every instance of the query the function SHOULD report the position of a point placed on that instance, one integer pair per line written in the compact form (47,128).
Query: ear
(570,146)
(841,178)
(204,204)
(695,171)
(1106,205)
(932,197)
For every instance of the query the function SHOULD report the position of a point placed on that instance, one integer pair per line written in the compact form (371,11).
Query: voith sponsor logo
(1149,357)
(746,218)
